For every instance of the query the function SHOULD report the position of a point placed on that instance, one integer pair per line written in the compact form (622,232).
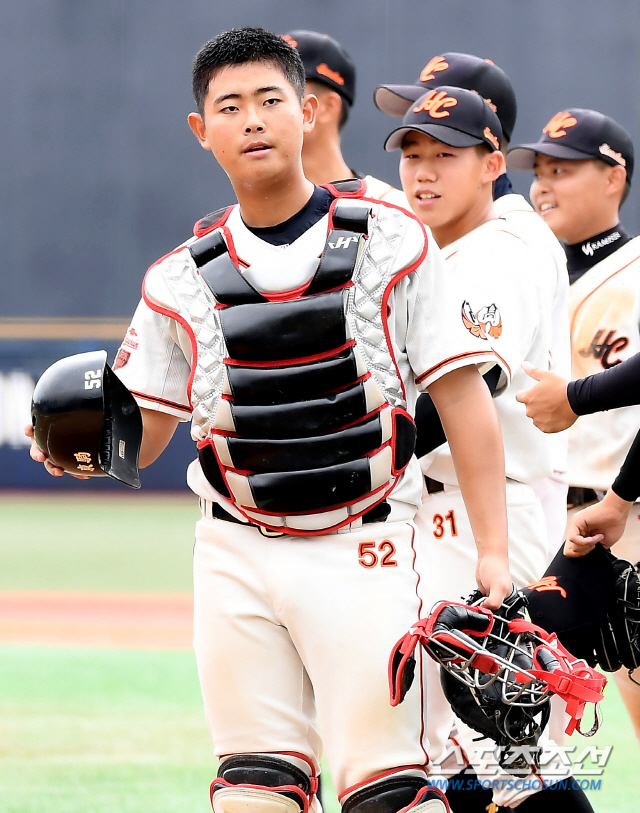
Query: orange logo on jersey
(490,136)
(555,127)
(433,66)
(546,585)
(486,322)
(433,101)
(288,38)
(324,70)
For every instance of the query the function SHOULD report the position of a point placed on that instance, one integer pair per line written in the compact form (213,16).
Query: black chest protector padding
(252,386)
(211,470)
(303,419)
(351,217)
(302,491)
(405,440)
(227,283)
(317,452)
(281,331)
(337,262)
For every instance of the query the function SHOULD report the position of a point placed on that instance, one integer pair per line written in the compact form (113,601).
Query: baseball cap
(578,135)
(458,70)
(452,115)
(326,61)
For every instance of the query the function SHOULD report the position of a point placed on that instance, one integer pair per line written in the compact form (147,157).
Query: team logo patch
(433,66)
(484,323)
(433,103)
(557,127)
(121,359)
(603,345)
(288,38)
(324,70)
(546,585)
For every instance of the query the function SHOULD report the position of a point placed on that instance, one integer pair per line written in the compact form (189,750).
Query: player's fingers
(54,471)
(500,589)
(28,430)
(581,545)
(532,371)
(36,454)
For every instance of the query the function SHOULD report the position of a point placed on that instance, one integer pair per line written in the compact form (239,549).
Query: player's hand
(547,403)
(40,457)
(602,523)
(494,579)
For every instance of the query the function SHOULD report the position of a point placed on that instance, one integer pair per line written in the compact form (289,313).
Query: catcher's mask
(86,421)
(508,666)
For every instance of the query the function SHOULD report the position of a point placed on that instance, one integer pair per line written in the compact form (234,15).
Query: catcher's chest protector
(300,406)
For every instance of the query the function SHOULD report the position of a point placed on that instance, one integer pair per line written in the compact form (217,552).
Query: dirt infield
(120,620)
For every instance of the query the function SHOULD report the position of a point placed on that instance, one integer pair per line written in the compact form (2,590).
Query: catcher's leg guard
(256,783)
(397,794)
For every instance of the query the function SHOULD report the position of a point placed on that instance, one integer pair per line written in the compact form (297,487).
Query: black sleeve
(627,483)
(619,386)
(430,433)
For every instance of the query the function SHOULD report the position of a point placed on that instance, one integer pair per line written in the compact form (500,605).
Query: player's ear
(616,179)
(196,123)
(309,112)
(494,165)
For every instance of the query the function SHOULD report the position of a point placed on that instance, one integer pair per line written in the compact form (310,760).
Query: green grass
(102,731)
(96,542)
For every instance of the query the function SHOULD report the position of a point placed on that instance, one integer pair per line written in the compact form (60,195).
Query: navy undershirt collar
(583,256)
(288,232)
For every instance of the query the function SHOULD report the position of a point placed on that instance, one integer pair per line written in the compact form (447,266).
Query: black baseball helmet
(86,421)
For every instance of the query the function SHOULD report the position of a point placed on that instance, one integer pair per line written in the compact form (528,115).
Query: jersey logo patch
(486,322)
(121,359)
(433,66)
(546,585)
(556,127)
(288,38)
(602,349)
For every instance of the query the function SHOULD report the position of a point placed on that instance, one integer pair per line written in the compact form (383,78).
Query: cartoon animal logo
(486,322)
(433,103)
(557,127)
(433,66)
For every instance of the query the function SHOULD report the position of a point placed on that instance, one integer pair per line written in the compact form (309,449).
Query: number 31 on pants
(439,524)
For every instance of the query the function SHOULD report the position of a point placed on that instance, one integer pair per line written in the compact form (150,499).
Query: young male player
(300,375)
(331,77)
(484,77)
(583,165)
(450,143)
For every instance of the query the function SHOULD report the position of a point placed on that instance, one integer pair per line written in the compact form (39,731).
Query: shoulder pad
(349,187)
(211,221)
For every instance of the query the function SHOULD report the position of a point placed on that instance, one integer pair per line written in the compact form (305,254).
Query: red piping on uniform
(177,317)
(451,359)
(291,362)
(173,404)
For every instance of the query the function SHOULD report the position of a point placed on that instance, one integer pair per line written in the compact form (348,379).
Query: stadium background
(100,176)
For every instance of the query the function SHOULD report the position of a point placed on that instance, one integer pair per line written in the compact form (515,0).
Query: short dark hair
(238,47)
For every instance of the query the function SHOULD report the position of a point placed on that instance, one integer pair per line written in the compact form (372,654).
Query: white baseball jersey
(604,311)
(426,328)
(509,305)
(551,266)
